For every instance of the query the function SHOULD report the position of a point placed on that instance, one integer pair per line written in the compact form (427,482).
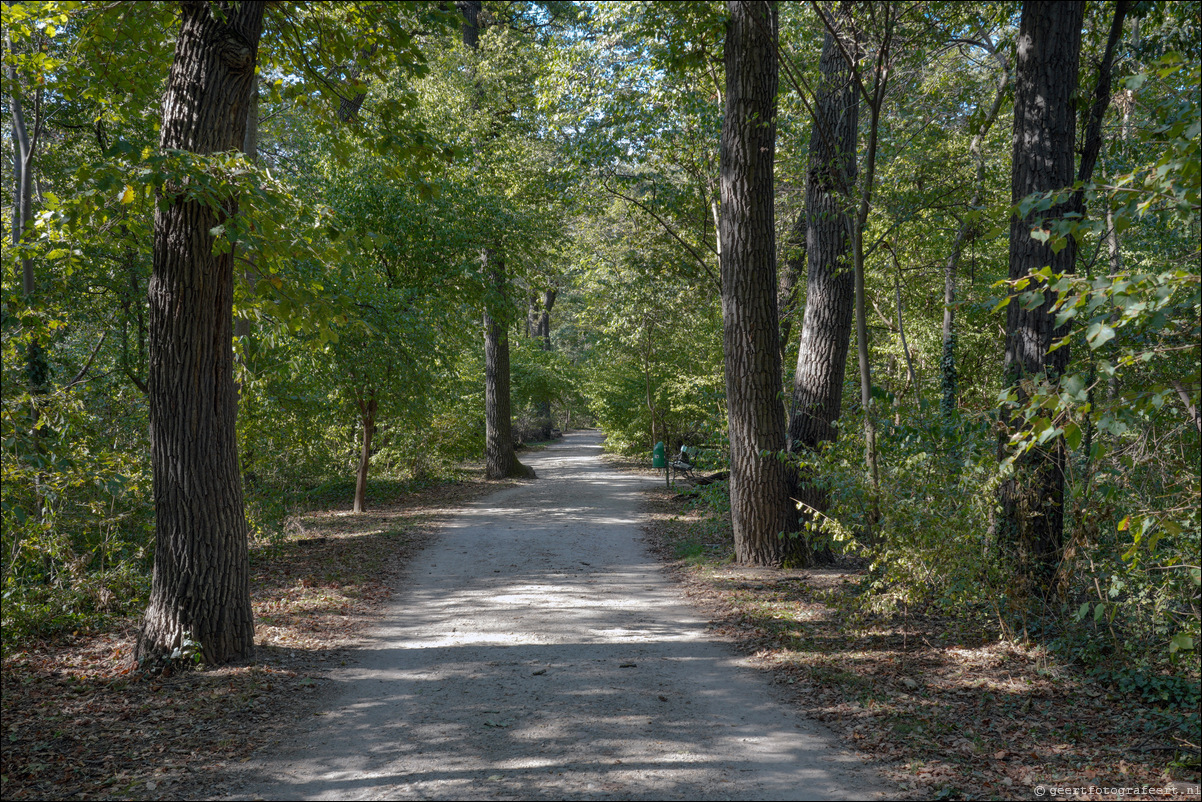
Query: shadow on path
(537,652)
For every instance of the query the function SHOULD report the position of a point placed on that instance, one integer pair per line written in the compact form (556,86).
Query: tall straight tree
(499,458)
(830,280)
(201,575)
(25,144)
(539,315)
(27,135)
(761,512)
(1031,520)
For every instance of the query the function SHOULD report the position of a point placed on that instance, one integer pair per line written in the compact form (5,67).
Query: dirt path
(537,652)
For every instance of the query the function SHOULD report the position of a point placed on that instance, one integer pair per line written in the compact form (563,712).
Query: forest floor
(945,708)
(950,710)
(537,651)
(80,722)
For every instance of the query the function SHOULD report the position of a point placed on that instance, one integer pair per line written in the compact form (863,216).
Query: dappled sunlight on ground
(538,653)
(81,721)
(955,709)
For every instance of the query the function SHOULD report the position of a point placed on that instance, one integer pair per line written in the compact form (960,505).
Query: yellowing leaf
(1180,642)
(128,195)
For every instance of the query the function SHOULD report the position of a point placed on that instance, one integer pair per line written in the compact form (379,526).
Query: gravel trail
(536,651)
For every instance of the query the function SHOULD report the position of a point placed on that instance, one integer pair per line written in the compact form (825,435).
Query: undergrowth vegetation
(1120,604)
(913,632)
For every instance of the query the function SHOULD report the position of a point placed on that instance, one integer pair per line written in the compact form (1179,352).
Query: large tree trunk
(761,512)
(830,282)
(470,28)
(201,586)
(499,458)
(794,257)
(1031,519)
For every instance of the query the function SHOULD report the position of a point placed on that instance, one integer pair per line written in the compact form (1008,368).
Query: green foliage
(655,360)
(77,510)
(1126,408)
(578,146)
(923,533)
(75,515)
(710,535)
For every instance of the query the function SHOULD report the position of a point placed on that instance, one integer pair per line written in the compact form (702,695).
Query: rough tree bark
(499,458)
(761,512)
(201,576)
(1031,519)
(830,281)
(349,106)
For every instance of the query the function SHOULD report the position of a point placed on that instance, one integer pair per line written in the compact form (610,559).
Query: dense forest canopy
(959,323)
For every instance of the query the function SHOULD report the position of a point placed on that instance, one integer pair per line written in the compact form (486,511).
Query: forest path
(536,651)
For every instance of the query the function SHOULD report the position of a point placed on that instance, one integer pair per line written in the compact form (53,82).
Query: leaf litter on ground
(80,721)
(941,704)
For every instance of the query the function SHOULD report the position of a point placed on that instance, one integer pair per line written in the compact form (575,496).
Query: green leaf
(1031,300)
(1098,334)
(1050,433)
(1074,385)
(1072,435)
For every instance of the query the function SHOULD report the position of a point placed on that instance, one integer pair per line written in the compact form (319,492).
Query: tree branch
(668,228)
(84,370)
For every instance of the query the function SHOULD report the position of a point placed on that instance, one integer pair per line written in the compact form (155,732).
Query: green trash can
(658,460)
